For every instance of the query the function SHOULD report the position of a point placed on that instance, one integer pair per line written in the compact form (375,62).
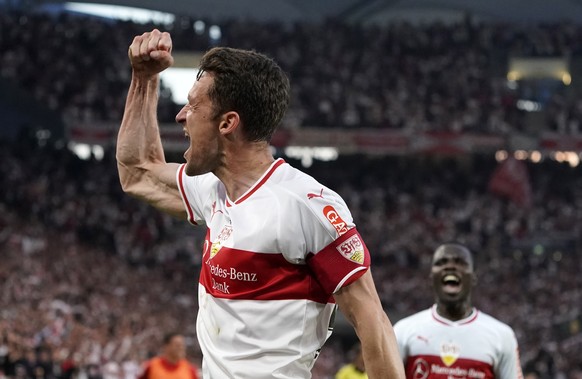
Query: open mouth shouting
(451,284)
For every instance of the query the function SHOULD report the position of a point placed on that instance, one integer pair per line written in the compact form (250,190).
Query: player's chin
(195,168)
(191,170)
(451,296)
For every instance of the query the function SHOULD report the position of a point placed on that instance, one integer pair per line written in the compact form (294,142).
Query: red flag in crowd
(511,180)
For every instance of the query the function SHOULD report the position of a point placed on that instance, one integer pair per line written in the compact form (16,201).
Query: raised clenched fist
(151,53)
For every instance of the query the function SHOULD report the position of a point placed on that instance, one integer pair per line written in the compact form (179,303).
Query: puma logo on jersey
(215,211)
(334,218)
(423,339)
(312,195)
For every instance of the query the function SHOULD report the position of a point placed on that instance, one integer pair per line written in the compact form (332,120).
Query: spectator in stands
(171,363)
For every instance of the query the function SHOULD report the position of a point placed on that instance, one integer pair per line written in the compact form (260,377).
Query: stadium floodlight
(535,156)
(308,153)
(521,155)
(118,12)
(501,155)
(86,151)
(529,105)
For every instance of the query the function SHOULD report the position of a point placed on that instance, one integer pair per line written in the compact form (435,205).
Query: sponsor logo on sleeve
(334,218)
(352,249)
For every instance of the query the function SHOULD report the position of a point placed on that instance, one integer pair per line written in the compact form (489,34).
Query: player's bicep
(156,185)
(359,301)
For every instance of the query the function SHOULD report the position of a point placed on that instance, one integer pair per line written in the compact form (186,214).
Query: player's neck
(454,311)
(243,169)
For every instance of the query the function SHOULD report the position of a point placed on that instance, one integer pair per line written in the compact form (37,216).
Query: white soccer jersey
(478,346)
(272,260)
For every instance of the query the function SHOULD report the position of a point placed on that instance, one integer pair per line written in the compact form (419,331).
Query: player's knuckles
(153,43)
(165,41)
(144,47)
(133,51)
(135,44)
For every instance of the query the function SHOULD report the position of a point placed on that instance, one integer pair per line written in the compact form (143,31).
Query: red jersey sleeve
(341,262)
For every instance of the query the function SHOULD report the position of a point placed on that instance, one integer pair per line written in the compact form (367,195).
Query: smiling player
(453,339)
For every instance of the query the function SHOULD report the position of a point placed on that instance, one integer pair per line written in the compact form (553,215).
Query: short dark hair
(169,336)
(251,84)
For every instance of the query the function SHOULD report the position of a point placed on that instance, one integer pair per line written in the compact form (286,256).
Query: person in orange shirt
(171,363)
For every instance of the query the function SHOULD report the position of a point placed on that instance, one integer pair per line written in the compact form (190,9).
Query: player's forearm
(360,303)
(138,140)
(381,356)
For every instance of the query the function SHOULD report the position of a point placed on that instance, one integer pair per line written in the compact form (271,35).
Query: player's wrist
(144,77)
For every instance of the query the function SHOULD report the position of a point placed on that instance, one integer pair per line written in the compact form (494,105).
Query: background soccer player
(453,338)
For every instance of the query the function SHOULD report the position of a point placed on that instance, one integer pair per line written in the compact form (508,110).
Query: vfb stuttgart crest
(352,249)
(449,353)
(220,239)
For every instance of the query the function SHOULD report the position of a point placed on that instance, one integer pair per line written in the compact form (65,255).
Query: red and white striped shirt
(272,260)
(479,347)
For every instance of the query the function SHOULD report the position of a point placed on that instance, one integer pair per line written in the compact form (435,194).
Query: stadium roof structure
(361,10)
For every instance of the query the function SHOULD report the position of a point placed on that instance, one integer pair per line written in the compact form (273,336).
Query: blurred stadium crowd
(91,279)
(434,77)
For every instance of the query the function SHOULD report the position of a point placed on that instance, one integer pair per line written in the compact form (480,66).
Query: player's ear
(229,122)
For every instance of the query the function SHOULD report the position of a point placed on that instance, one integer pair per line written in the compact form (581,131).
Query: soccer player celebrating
(281,249)
(453,339)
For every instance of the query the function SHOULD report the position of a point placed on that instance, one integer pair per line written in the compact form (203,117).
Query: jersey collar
(470,318)
(258,184)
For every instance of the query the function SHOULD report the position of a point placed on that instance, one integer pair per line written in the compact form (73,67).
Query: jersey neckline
(262,180)
(470,318)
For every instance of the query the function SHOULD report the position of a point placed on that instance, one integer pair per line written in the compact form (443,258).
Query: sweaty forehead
(453,251)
